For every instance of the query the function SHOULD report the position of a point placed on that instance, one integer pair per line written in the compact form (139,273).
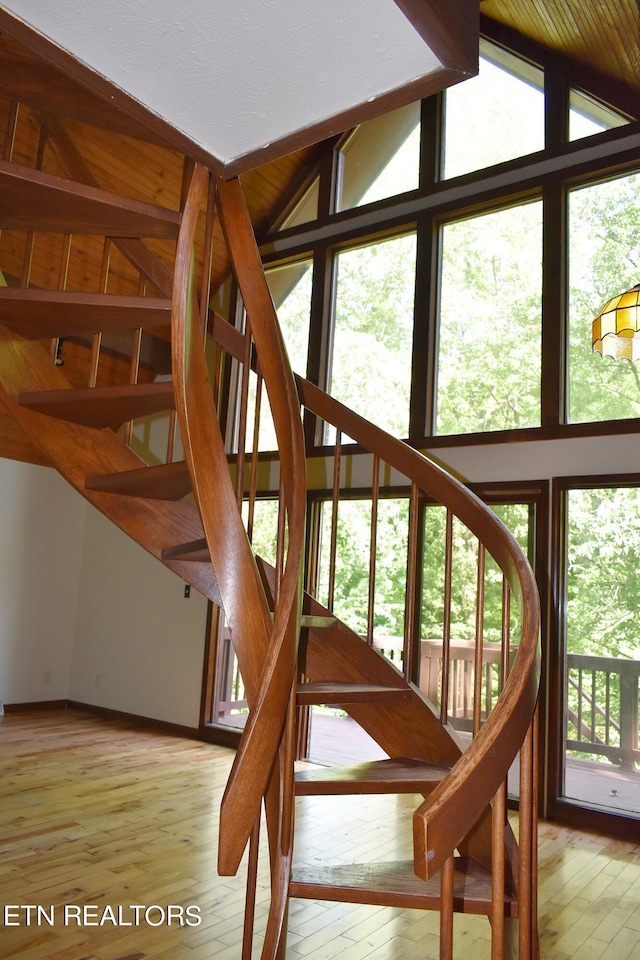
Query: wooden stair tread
(336,692)
(101,406)
(398,775)
(193,550)
(396,885)
(164,481)
(33,200)
(38,314)
(197,551)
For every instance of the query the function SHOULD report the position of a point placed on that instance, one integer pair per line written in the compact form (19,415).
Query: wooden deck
(101,814)
(340,740)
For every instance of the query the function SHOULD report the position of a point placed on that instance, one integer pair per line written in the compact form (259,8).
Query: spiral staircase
(472,853)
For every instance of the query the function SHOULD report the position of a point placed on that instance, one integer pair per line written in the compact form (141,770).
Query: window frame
(576,813)
(547,175)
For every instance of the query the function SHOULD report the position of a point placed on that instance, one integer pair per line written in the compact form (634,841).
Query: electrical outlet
(46,678)
(187,591)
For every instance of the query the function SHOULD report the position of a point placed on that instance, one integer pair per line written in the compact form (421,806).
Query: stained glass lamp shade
(616,329)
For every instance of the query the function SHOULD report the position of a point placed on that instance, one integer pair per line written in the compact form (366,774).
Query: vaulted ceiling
(87,139)
(599,40)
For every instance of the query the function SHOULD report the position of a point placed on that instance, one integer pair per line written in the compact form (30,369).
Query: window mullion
(554,305)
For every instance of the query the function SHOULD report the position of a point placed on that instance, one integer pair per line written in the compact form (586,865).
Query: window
(305,209)
(489,357)
(381,158)
(428,301)
(372,337)
(496,116)
(604,260)
(587,116)
(290,288)
(602,647)
(351,589)
(229,707)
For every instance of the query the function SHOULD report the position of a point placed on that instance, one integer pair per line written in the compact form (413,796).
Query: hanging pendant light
(616,329)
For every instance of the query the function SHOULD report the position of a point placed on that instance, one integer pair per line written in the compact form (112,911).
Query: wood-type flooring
(111,830)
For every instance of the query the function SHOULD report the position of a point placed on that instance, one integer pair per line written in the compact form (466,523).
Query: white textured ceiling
(238,75)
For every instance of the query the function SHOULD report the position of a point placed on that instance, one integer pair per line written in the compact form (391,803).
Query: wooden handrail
(243,598)
(445,818)
(264,728)
(266,647)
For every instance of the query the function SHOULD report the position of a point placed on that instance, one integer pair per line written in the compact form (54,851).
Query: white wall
(41,529)
(543,459)
(139,644)
(85,613)
(497,462)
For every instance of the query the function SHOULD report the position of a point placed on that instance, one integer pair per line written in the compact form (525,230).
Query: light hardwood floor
(100,814)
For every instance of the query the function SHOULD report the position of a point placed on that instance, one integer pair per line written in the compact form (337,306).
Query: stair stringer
(408,728)
(78,452)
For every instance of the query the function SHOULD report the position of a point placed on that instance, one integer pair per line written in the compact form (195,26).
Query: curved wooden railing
(265,641)
(265,629)
(445,818)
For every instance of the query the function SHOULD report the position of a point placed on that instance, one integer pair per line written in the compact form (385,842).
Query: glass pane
(230,705)
(371,363)
(352,567)
(603,648)
(519,518)
(489,358)
(604,260)
(587,116)
(306,208)
(496,116)
(464,606)
(290,288)
(381,158)
(334,736)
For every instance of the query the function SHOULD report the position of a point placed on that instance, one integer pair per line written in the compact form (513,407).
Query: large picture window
(489,356)
(604,260)
(439,273)
(372,337)
(290,288)
(495,116)
(381,158)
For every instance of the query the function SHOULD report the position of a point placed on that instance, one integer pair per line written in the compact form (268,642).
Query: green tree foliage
(603,557)
(604,260)
(352,564)
(464,575)
(489,358)
(371,366)
(602,606)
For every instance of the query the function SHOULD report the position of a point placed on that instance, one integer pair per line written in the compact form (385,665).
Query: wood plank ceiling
(599,39)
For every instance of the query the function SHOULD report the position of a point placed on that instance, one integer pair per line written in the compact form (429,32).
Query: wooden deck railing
(602,710)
